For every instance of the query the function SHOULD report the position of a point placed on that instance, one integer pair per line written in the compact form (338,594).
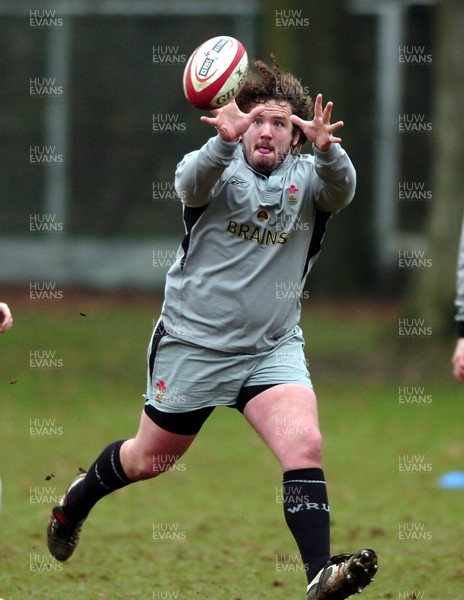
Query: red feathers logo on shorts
(160,390)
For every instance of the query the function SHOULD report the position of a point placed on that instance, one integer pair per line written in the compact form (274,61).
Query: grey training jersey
(250,242)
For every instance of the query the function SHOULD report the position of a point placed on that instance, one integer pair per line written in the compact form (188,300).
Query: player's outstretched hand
(458,360)
(319,131)
(231,122)
(6,319)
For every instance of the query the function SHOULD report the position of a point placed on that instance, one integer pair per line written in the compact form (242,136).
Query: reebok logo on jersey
(239,182)
(263,236)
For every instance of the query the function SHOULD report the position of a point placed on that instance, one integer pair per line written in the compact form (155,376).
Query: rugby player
(255,212)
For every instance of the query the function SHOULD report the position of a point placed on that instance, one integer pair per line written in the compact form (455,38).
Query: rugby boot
(343,576)
(63,532)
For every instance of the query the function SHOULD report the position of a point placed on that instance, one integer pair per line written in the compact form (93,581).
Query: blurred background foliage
(114,158)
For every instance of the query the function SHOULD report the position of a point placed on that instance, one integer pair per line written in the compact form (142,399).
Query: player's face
(270,137)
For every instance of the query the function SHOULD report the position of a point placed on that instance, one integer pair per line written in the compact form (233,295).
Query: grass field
(222,506)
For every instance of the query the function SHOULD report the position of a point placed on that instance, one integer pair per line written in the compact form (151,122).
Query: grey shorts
(184,377)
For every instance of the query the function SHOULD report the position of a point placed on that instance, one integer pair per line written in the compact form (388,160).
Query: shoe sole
(361,569)
(60,550)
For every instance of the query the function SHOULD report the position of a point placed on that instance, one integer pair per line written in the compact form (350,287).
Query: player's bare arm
(320,130)
(230,122)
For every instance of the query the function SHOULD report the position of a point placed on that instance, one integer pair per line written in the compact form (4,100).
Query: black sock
(307,514)
(104,476)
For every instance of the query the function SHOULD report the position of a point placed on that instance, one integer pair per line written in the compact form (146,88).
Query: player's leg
(286,417)
(128,461)
(120,464)
(166,434)
(153,451)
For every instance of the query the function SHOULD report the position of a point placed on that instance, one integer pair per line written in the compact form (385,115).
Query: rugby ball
(215,72)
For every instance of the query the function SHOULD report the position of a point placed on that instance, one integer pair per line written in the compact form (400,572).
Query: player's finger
(6,325)
(208,120)
(327,112)
(297,121)
(318,106)
(255,112)
(336,126)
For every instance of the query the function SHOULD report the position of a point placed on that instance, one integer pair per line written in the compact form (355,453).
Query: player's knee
(147,466)
(314,445)
(307,453)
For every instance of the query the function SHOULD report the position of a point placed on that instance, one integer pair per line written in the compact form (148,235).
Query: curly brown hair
(272,84)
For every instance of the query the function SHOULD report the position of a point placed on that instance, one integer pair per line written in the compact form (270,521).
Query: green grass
(223,501)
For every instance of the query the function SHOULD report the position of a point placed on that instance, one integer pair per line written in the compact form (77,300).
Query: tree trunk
(433,290)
